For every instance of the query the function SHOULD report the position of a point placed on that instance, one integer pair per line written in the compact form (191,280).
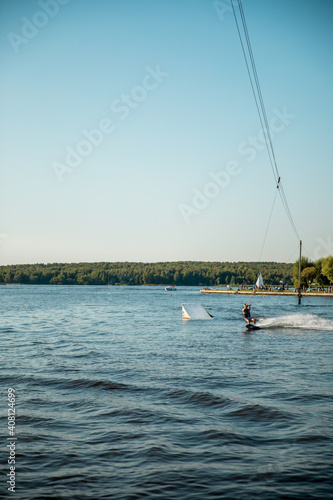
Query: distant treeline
(137,273)
(319,272)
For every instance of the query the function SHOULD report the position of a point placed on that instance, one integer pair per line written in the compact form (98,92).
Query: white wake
(303,321)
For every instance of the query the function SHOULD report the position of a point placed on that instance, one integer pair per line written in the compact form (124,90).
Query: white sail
(260,281)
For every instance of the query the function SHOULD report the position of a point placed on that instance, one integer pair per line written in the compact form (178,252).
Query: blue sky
(129,130)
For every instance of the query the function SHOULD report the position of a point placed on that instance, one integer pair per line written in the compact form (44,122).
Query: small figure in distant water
(247,314)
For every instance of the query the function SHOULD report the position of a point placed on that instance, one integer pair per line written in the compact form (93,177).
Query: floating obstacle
(195,311)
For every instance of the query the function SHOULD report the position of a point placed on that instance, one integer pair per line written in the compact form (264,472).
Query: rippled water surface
(119,398)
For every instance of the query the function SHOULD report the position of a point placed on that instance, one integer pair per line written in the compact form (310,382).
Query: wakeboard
(251,326)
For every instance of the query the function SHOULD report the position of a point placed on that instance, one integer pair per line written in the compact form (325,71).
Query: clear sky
(129,130)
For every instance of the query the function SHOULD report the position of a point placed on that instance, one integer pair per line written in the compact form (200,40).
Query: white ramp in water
(195,311)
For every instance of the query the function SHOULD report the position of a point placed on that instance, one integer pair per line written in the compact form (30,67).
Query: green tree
(138,273)
(320,278)
(19,277)
(327,267)
(305,262)
(307,275)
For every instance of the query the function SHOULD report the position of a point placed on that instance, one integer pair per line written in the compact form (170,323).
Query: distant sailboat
(260,281)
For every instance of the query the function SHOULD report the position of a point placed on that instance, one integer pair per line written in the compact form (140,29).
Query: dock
(264,292)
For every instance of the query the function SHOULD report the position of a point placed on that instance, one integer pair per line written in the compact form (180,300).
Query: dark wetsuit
(247,314)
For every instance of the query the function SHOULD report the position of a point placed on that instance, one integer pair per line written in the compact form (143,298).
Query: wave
(300,321)
(198,398)
(7,330)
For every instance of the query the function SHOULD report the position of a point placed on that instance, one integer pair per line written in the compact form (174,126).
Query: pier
(285,293)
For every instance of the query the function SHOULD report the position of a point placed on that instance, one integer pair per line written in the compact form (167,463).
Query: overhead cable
(256,90)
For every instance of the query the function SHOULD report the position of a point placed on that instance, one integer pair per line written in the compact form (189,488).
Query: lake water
(119,398)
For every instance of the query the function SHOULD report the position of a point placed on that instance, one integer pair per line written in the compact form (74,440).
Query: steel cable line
(268,224)
(256,90)
(266,129)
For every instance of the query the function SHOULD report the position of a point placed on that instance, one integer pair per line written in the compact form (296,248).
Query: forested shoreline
(187,273)
(182,273)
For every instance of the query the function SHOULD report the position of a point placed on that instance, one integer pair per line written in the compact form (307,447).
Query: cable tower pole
(299,273)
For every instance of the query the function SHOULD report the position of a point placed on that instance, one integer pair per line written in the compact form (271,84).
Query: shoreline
(212,291)
(260,292)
